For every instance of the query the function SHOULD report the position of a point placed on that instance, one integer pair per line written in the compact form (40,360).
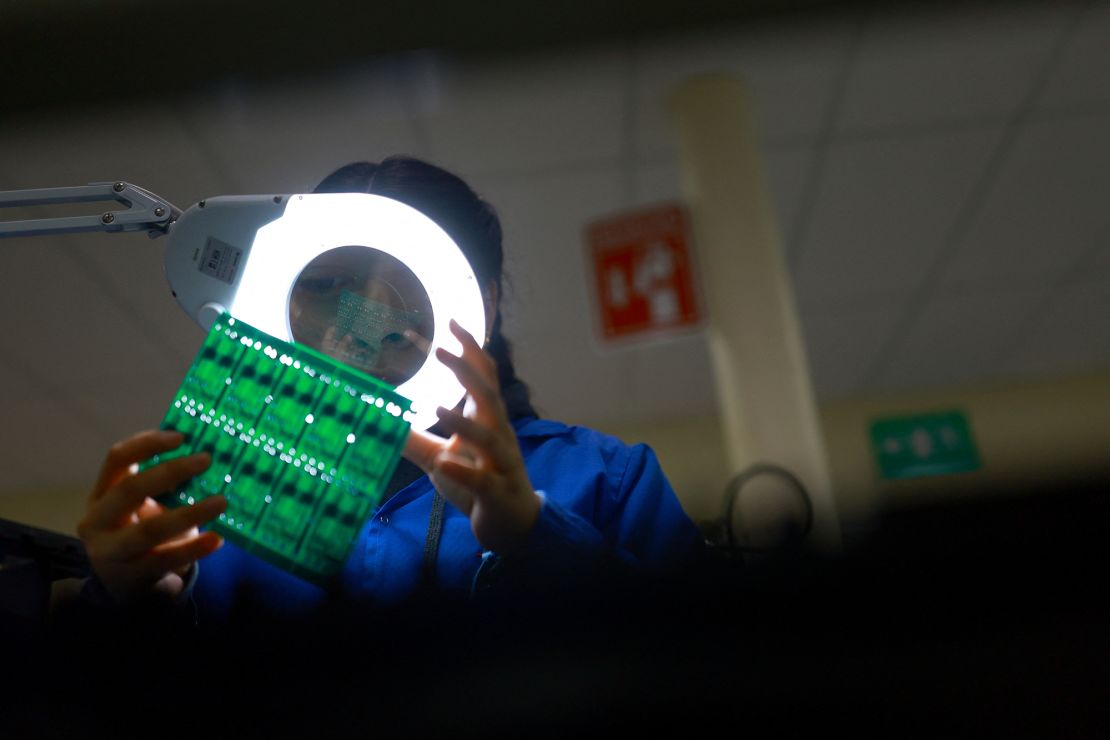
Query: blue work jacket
(601,497)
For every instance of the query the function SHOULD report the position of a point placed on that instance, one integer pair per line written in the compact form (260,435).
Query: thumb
(421,449)
(461,497)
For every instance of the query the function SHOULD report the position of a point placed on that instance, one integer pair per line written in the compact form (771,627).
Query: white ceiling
(942,181)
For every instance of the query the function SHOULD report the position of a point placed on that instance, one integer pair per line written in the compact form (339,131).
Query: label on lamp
(220,260)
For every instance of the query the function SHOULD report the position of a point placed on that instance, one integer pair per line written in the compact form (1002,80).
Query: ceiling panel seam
(927,288)
(815,175)
(924,130)
(629,126)
(72,402)
(100,282)
(1070,112)
(608,162)
(1038,314)
(134,312)
(208,150)
(573,167)
(965,125)
(410,107)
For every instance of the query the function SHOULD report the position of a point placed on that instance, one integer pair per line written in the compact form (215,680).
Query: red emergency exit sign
(643,274)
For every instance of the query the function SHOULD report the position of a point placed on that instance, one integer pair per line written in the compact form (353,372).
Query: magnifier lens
(364,308)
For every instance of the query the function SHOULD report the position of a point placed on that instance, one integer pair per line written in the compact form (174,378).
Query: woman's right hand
(136,546)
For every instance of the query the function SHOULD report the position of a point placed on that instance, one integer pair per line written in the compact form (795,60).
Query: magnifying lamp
(285,263)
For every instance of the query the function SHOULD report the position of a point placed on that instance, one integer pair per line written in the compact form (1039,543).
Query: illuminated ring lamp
(243,254)
(298,487)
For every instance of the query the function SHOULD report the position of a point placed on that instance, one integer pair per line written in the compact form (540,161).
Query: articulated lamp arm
(143,211)
(244,254)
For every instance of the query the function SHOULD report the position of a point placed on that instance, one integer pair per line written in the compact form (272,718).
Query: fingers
(156,531)
(469,343)
(337,342)
(132,542)
(421,449)
(327,341)
(455,488)
(176,555)
(149,508)
(477,372)
(471,377)
(418,341)
(473,352)
(123,455)
(486,440)
(464,475)
(118,503)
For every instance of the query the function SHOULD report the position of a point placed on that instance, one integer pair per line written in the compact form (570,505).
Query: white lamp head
(245,254)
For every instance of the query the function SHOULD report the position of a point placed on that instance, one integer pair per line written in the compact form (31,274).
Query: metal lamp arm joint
(143,211)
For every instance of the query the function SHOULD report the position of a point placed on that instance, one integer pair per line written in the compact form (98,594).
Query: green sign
(927,444)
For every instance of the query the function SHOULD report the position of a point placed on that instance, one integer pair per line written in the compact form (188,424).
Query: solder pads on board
(302,446)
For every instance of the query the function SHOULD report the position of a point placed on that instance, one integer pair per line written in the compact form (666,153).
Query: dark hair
(458,210)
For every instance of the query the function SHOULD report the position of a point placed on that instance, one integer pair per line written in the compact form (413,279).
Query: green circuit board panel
(302,446)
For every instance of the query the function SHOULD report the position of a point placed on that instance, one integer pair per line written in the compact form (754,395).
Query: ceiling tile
(287,139)
(658,182)
(571,379)
(550,318)
(147,147)
(1072,335)
(943,64)
(1098,260)
(544,111)
(1082,76)
(1046,209)
(670,377)
(789,72)
(882,212)
(957,339)
(842,344)
(132,402)
(785,172)
(46,445)
(543,217)
(583,382)
(130,270)
(63,325)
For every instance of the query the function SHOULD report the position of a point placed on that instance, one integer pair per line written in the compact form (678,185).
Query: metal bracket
(144,211)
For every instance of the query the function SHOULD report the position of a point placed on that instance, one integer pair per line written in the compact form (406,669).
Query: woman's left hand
(479,468)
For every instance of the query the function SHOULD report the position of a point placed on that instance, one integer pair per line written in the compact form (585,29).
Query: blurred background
(938,176)
(938,172)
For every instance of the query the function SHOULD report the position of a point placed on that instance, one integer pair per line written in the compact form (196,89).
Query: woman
(533,501)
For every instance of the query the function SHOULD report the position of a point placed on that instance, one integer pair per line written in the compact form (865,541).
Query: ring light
(244,253)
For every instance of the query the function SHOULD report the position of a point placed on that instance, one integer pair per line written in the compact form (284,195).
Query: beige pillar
(767,404)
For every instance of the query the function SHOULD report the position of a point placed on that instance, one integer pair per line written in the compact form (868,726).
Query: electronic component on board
(302,446)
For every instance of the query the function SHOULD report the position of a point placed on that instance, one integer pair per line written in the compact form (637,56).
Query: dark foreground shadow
(985,619)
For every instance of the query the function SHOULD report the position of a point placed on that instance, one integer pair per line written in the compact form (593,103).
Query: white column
(767,405)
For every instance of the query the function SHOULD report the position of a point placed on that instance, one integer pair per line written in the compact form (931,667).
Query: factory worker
(493,498)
